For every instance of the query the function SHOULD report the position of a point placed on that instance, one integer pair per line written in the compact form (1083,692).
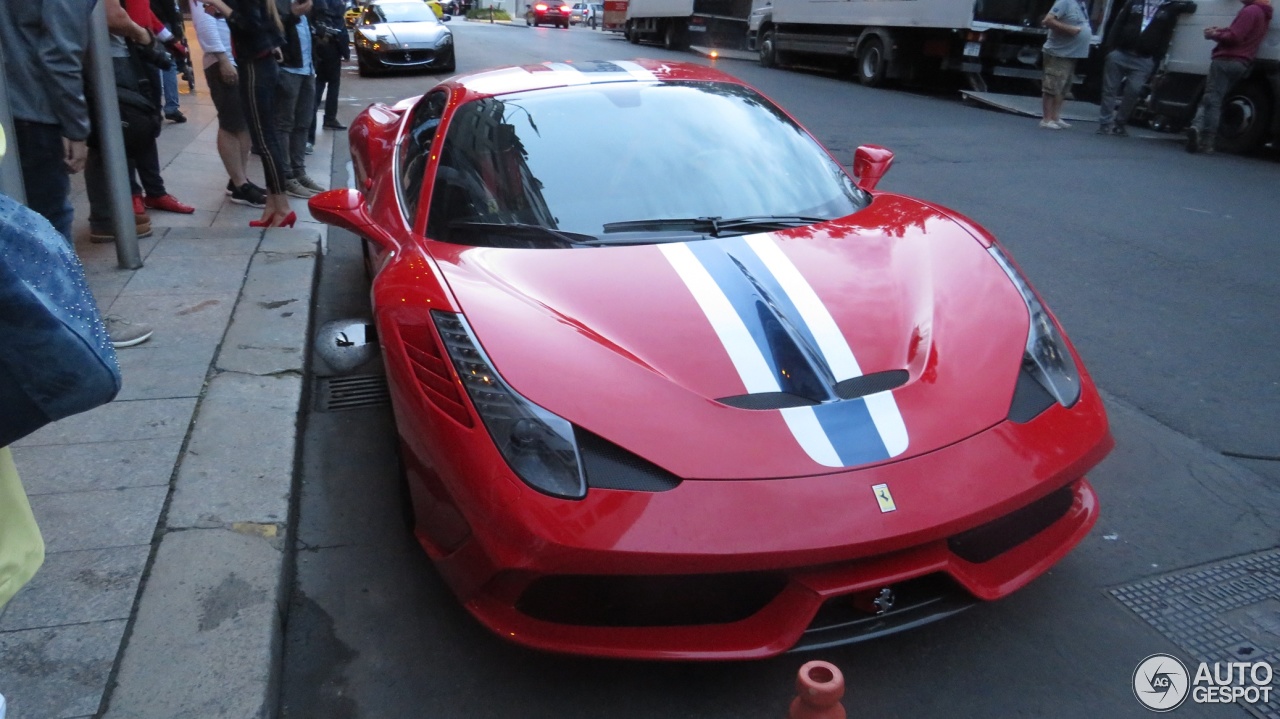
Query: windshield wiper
(715,225)
(517,235)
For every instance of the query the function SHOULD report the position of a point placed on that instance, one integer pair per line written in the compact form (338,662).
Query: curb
(207,635)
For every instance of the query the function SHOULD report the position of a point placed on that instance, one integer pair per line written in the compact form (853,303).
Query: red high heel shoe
(286,221)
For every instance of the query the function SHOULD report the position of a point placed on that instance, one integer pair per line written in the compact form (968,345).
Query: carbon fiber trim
(609,466)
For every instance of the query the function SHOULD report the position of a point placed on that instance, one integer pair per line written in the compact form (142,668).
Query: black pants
(44,176)
(328,60)
(258,80)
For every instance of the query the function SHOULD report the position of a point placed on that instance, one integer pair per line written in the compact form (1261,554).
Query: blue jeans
(169,80)
(44,176)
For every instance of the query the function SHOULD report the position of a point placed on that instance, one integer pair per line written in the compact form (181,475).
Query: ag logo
(1161,682)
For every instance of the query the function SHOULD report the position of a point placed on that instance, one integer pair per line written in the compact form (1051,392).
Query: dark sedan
(403,35)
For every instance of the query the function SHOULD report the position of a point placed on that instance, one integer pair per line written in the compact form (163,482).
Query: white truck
(678,23)
(907,39)
(1250,115)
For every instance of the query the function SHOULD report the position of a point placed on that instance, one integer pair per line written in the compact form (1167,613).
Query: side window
(416,148)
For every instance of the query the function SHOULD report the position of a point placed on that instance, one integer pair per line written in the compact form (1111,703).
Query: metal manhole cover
(351,392)
(1226,612)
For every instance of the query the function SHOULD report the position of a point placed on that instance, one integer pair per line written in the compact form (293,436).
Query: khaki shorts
(1058,72)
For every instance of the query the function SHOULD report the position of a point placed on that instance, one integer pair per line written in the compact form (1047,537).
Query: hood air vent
(848,389)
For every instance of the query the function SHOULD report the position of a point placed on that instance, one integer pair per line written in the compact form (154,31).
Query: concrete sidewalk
(166,513)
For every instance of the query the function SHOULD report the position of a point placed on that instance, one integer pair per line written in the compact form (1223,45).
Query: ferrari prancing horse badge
(884,497)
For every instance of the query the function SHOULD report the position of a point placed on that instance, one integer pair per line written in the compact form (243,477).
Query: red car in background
(734,401)
(549,13)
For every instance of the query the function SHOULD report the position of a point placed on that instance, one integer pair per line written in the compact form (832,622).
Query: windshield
(613,160)
(402,12)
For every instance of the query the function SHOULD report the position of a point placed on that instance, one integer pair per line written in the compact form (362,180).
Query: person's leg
(1139,71)
(1112,82)
(1228,73)
(333,71)
(147,163)
(303,112)
(286,101)
(44,176)
(169,81)
(229,151)
(257,92)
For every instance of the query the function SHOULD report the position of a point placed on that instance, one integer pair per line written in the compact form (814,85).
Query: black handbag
(55,357)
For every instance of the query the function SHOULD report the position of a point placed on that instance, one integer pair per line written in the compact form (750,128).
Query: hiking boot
(310,184)
(168,203)
(247,194)
(124,333)
(1193,140)
(296,189)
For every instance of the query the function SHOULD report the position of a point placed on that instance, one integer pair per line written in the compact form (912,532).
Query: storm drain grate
(1227,612)
(334,394)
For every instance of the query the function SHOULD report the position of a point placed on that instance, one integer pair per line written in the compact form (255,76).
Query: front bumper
(411,58)
(808,548)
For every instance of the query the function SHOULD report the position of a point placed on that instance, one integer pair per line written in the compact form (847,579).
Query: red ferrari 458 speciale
(670,383)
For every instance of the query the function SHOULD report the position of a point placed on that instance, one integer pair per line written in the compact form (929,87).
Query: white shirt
(212,33)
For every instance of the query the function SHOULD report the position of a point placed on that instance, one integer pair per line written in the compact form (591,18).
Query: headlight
(538,445)
(446,39)
(1047,357)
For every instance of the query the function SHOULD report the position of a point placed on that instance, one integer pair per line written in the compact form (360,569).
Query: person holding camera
(331,49)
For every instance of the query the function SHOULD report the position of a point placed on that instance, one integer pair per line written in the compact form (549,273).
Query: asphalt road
(1159,264)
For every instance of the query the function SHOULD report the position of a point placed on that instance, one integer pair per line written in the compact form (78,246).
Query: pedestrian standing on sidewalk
(222,79)
(43,42)
(296,98)
(1138,40)
(1068,41)
(257,33)
(168,13)
(1232,57)
(328,23)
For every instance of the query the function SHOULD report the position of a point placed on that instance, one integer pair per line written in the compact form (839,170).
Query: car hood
(400,34)
(681,352)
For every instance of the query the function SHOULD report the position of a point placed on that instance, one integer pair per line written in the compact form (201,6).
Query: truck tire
(1246,116)
(629,30)
(673,36)
(872,64)
(768,49)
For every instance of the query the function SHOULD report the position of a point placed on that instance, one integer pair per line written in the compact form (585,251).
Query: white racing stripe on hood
(571,74)
(634,70)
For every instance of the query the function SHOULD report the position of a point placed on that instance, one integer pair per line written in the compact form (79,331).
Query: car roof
(547,75)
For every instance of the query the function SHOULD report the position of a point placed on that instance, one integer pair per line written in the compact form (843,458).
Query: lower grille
(649,601)
(916,602)
(984,543)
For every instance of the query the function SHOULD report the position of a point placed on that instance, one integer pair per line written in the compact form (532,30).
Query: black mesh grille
(1030,398)
(649,601)
(996,537)
(871,383)
(609,466)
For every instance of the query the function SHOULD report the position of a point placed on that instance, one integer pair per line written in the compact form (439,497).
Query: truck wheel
(871,62)
(1246,115)
(768,50)
(673,37)
(630,31)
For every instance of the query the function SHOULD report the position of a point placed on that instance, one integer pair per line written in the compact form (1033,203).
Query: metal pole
(10,164)
(111,140)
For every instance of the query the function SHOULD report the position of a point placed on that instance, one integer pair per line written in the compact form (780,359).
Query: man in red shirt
(1231,59)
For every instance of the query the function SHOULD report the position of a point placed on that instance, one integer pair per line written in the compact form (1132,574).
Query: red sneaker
(168,203)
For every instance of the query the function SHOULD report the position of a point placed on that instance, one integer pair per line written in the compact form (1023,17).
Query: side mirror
(870,162)
(346,209)
(445,17)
